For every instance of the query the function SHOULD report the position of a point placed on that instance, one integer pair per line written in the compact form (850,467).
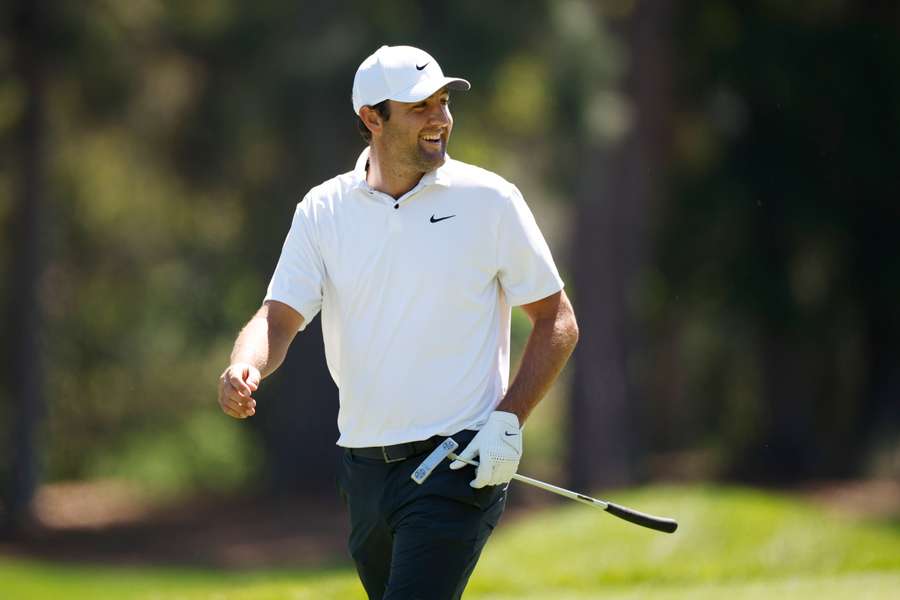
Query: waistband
(399,452)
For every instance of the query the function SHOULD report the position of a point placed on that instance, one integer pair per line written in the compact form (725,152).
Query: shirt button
(396,206)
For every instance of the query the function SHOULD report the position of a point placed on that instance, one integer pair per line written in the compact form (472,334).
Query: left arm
(553,336)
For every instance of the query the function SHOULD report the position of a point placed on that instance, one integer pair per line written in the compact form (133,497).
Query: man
(414,260)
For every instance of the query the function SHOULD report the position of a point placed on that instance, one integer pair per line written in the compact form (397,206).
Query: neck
(388,176)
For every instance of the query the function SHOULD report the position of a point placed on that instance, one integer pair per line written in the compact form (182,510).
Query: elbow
(573,332)
(570,330)
(567,325)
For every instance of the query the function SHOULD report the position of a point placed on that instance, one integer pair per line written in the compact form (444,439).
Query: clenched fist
(236,387)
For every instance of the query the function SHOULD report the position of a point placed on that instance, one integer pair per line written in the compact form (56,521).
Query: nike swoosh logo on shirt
(510,434)
(433,220)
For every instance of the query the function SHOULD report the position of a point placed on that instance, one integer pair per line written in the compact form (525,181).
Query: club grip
(638,518)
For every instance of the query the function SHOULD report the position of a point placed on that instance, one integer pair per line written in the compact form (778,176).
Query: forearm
(262,343)
(549,346)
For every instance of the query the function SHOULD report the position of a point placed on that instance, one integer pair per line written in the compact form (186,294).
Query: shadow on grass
(233,534)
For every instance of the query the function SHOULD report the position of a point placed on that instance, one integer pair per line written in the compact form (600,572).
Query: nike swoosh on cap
(418,68)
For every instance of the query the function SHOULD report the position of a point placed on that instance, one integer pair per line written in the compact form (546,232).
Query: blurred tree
(24,380)
(778,251)
(621,141)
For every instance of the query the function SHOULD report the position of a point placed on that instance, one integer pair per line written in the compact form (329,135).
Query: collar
(439,176)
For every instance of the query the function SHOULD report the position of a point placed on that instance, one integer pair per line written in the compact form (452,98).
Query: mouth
(432,140)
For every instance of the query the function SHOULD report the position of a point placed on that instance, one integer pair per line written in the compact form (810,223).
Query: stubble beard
(428,161)
(415,158)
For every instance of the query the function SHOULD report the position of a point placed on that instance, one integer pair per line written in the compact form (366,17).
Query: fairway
(732,543)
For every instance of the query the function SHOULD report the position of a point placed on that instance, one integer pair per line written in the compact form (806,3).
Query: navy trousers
(416,542)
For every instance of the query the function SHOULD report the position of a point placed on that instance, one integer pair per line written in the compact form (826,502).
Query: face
(416,134)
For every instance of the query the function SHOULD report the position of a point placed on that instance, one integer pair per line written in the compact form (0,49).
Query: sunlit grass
(38,581)
(731,543)
(724,535)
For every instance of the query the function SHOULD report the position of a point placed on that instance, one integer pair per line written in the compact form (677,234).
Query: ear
(372,119)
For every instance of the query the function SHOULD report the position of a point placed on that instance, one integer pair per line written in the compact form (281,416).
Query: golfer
(414,261)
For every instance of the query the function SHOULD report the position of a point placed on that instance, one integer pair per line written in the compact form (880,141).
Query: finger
(231,412)
(468,454)
(457,464)
(238,413)
(230,393)
(243,401)
(229,397)
(245,408)
(252,380)
(482,476)
(238,383)
(229,404)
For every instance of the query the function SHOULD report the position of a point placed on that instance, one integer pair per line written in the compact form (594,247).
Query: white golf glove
(499,447)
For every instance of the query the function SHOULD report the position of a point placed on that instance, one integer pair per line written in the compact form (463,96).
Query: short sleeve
(526,270)
(300,272)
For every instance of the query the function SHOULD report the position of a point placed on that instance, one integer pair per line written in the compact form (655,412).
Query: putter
(434,459)
(445,450)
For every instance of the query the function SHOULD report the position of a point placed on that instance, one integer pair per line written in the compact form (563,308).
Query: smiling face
(415,136)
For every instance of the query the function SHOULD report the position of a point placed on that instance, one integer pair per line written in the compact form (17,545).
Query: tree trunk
(617,189)
(25,361)
(299,419)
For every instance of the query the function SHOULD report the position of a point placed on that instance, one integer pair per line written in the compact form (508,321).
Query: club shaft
(545,486)
(663,524)
(562,491)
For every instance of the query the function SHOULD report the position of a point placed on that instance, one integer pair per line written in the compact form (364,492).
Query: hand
(236,385)
(499,448)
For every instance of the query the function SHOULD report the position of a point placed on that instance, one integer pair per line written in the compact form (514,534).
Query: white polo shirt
(415,296)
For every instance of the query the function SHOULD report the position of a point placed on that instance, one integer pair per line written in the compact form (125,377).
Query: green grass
(732,543)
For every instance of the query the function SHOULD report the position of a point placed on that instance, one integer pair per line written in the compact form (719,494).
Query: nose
(440,115)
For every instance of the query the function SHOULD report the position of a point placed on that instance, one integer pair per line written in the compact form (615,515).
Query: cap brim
(426,88)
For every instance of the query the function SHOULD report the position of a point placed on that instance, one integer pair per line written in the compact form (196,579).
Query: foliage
(201,452)
(770,307)
(731,542)
(182,134)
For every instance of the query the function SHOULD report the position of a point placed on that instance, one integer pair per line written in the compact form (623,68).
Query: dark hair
(383,109)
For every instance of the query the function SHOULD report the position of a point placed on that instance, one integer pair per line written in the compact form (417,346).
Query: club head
(433,460)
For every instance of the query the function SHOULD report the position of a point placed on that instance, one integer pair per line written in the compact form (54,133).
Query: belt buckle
(388,459)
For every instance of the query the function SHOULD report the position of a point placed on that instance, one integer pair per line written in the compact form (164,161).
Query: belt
(398,452)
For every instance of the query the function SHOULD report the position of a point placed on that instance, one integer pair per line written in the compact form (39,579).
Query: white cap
(400,73)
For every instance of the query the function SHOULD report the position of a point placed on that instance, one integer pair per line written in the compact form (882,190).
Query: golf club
(445,450)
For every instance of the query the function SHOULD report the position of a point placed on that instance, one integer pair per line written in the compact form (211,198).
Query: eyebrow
(445,93)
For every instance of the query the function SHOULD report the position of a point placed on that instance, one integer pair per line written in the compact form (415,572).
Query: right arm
(259,349)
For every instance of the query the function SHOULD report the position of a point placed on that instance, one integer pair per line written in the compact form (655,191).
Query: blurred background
(717,181)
